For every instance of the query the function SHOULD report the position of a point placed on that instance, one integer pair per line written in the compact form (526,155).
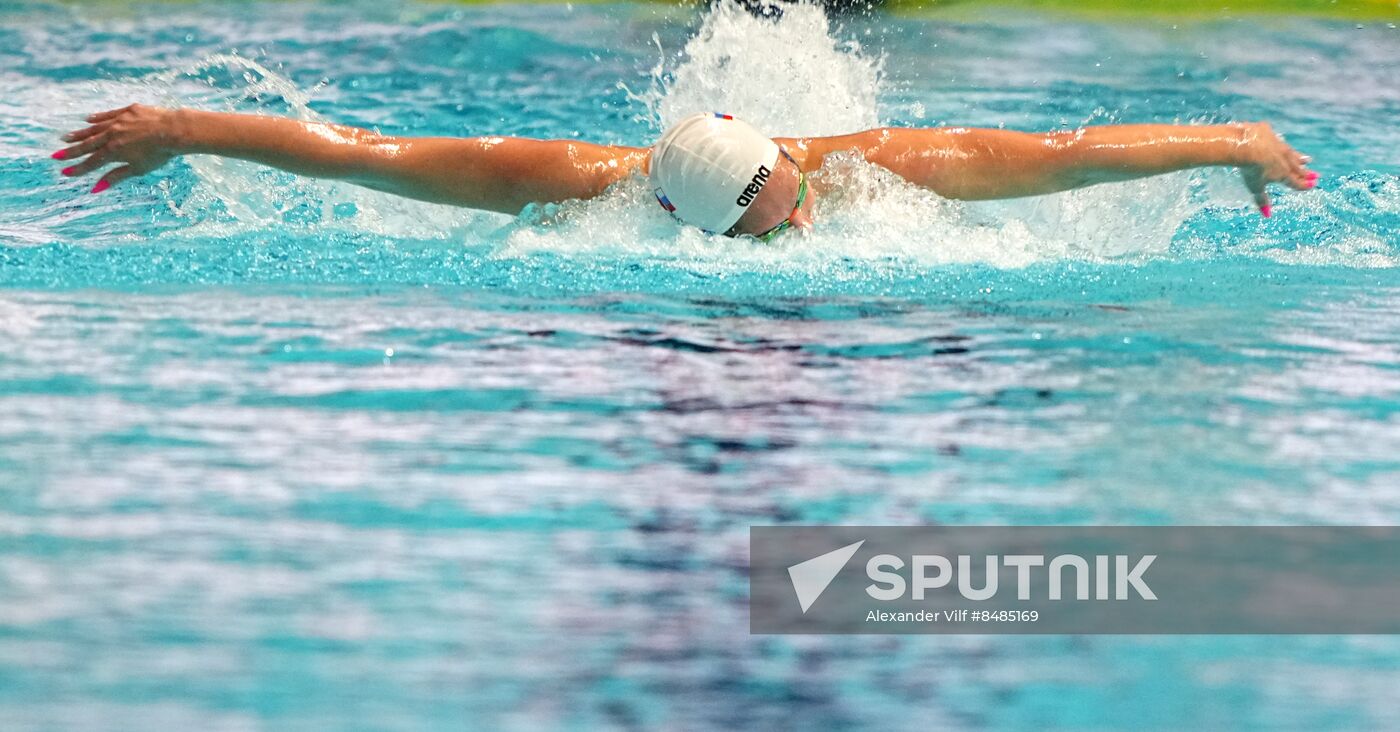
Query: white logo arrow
(810,578)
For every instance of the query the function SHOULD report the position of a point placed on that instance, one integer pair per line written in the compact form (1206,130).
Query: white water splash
(794,76)
(787,77)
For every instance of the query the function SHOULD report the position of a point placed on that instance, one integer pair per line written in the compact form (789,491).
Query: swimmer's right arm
(494,173)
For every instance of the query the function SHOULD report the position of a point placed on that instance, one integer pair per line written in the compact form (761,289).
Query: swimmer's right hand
(139,137)
(1268,159)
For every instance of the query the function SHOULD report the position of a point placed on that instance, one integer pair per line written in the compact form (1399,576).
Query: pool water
(287,454)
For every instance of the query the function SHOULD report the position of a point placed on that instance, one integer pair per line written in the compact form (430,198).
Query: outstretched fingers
(126,139)
(113,177)
(1299,177)
(88,145)
(109,114)
(1261,199)
(1302,180)
(84,133)
(1258,188)
(93,162)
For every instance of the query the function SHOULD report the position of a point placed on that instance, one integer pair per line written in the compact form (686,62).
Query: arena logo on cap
(759,180)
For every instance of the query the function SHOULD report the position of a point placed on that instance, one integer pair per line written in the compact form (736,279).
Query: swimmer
(710,170)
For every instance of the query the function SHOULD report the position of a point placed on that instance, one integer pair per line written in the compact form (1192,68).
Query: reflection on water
(282,453)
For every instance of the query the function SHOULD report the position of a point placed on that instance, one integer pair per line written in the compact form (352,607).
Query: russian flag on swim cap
(664,201)
(724,116)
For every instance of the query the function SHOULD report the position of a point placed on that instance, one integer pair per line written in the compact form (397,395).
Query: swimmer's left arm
(973,164)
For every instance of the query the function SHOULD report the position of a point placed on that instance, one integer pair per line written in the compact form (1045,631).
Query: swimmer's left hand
(141,137)
(1268,159)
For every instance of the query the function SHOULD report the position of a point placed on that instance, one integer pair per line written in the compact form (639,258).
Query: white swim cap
(708,168)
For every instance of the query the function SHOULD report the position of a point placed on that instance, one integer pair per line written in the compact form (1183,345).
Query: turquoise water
(284,454)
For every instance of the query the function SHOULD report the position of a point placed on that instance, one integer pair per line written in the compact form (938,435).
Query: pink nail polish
(61,154)
(68,171)
(101,186)
(1267,210)
(1313,177)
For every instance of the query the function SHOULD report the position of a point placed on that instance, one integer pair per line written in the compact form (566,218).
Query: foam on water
(790,76)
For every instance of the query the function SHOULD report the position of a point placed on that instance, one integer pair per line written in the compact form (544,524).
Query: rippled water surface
(277,453)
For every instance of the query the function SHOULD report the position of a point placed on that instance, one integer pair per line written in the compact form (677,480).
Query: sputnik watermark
(935,572)
(888,584)
(1074,580)
(811,578)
